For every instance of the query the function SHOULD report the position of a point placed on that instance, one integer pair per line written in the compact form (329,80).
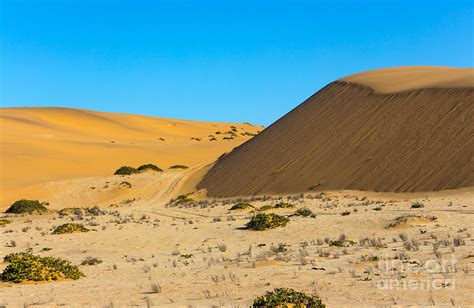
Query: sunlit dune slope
(400,129)
(48,144)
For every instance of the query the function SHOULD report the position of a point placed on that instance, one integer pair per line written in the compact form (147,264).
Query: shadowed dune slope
(401,129)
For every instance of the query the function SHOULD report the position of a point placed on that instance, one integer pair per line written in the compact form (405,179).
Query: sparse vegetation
(4,222)
(282,297)
(126,184)
(70,228)
(263,221)
(179,167)
(416,205)
(126,170)
(151,167)
(305,212)
(24,206)
(91,261)
(241,206)
(25,266)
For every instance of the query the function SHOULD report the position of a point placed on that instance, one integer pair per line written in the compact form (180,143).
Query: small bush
(91,261)
(70,211)
(241,206)
(184,199)
(70,228)
(263,221)
(282,297)
(265,208)
(4,222)
(126,184)
(179,167)
(150,167)
(305,212)
(126,170)
(24,206)
(416,205)
(25,266)
(283,205)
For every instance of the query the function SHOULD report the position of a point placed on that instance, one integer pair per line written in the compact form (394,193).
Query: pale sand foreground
(155,254)
(40,145)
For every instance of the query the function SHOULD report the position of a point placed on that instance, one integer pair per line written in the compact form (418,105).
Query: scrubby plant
(70,228)
(91,261)
(416,205)
(241,206)
(179,167)
(184,199)
(25,266)
(149,167)
(283,297)
(4,222)
(265,208)
(283,205)
(305,212)
(126,184)
(126,170)
(70,211)
(24,206)
(263,221)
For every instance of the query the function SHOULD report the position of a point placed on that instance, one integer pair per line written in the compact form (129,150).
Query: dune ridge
(350,136)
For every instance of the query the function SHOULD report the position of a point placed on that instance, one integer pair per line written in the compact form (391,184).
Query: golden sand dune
(418,137)
(397,79)
(39,145)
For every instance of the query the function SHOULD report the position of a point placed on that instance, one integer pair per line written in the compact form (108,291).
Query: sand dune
(39,145)
(413,133)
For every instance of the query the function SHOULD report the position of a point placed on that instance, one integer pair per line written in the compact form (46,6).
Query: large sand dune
(39,145)
(400,129)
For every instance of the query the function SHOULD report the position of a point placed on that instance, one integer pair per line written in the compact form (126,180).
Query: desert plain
(364,231)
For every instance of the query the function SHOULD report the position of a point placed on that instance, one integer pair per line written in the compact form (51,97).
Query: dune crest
(348,136)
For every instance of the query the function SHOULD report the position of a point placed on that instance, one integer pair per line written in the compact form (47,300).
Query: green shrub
(241,206)
(25,266)
(150,167)
(283,205)
(417,205)
(179,167)
(265,208)
(263,221)
(305,212)
(126,170)
(24,206)
(91,261)
(282,297)
(4,222)
(70,228)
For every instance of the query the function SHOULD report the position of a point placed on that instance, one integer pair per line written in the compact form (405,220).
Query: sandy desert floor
(200,254)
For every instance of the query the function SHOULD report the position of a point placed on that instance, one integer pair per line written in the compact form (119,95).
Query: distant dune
(402,129)
(39,145)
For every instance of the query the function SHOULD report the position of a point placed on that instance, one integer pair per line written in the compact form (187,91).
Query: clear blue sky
(214,60)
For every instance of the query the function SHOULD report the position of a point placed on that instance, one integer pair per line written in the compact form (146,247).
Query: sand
(156,255)
(199,254)
(348,136)
(41,145)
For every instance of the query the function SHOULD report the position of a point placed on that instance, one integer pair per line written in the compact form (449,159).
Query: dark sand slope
(402,129)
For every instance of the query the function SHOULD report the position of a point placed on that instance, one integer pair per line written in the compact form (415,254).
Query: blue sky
(239,61)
